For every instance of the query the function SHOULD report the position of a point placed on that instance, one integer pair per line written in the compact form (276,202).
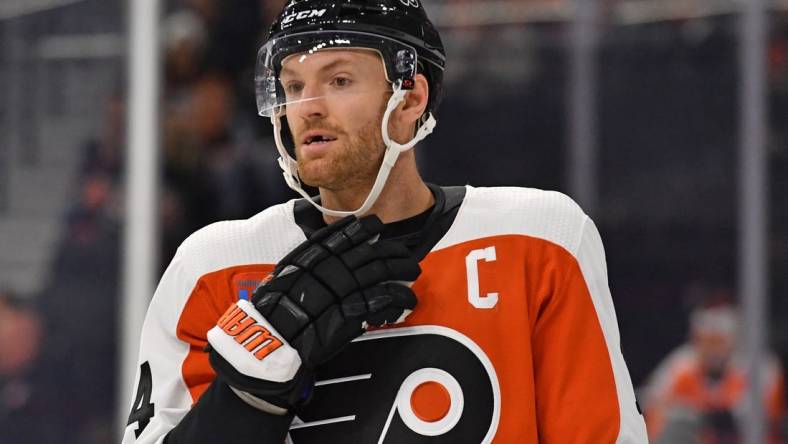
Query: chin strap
(393,149)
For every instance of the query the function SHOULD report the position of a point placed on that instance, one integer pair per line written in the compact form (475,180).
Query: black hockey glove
(319,298)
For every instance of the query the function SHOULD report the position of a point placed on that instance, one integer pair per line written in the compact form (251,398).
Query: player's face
(336,100)
(714,349)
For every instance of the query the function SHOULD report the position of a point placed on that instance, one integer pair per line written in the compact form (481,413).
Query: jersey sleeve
(583,389)
(178,398)
(161,397)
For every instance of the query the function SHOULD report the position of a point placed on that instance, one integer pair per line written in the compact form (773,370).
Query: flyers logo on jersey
(247,332)
(411,384)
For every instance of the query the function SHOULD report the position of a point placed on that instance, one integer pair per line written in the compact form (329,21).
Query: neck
(404,195)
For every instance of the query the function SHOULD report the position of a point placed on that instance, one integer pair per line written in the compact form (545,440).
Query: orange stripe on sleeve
(575,387)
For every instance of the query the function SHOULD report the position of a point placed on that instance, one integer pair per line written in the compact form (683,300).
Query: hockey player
(697,394)
(386,310)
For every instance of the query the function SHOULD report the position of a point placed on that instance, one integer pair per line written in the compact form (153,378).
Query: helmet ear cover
(434,77)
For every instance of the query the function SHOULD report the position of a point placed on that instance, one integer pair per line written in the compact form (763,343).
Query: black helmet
(405,21)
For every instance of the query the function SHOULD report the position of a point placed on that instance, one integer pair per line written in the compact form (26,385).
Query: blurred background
(650,88)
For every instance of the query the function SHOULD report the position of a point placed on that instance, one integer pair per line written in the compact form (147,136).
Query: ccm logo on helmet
(247,332)
(303,15)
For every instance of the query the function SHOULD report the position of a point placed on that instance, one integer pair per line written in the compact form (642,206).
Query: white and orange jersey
(514,338)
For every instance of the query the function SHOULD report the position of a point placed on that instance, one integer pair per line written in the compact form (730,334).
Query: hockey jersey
(514,338)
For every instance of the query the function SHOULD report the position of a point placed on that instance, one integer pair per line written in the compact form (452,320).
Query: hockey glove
(319,298)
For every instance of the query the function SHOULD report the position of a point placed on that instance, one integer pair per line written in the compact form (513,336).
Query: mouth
(317,139)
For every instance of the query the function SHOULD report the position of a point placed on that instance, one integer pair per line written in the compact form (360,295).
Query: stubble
(351,165)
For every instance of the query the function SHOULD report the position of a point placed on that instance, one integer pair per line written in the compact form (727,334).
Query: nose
(312,104)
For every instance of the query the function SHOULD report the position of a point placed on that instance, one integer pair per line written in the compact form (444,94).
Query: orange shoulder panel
(209,299)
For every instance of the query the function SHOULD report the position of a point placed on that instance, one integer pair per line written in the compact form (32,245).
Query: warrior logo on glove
(247,332)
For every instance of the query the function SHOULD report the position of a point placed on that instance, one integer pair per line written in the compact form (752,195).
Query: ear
(411,109)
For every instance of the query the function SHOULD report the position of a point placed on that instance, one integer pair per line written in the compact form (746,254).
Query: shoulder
(264,238)
(548,215)
(526,203)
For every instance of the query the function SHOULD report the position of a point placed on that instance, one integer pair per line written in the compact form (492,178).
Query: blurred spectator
(20,337)
(74,377)
(184,38)
(213,168)
(79,304)
(697,394)
(20,345)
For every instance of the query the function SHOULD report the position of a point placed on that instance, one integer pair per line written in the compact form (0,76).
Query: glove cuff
(281,396)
